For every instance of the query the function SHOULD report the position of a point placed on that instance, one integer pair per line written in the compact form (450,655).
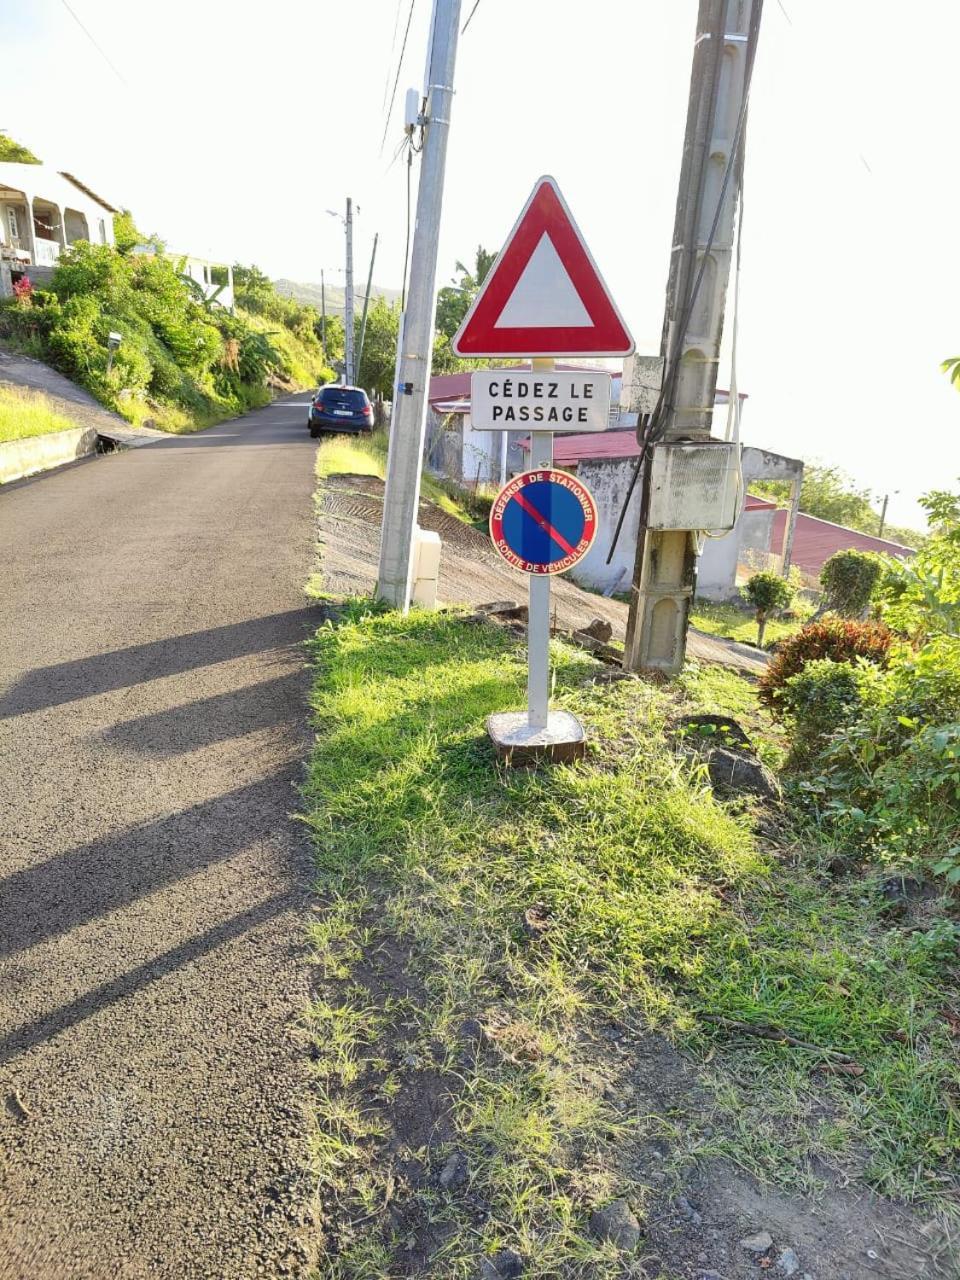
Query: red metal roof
(815,541)
(569,450)
(753,503)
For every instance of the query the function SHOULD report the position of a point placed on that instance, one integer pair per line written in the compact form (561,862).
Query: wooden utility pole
(666,562)
(366,303)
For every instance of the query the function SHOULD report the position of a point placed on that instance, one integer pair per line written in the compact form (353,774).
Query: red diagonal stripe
(544,524)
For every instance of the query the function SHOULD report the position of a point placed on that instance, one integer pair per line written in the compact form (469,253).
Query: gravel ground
(471,572)
(152,884)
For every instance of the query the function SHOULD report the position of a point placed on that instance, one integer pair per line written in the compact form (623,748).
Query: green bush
(848,579)
(819,699)
(840,639)
(888,776)
(767,592)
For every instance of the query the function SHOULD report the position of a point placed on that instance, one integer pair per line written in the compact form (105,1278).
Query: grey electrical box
(694,486)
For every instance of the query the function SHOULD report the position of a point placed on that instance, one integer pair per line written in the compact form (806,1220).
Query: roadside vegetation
(184,360)
(737,622)
(497,948)
(367,456)
(26,413)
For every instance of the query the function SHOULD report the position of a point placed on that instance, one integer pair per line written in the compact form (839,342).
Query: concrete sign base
(518,743)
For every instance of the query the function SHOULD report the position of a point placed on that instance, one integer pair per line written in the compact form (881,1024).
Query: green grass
(661,911)
(25,413)
(367,456)
(739,624)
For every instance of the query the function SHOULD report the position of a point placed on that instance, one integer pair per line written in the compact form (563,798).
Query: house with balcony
(42,210)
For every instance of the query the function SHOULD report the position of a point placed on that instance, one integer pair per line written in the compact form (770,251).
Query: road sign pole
(538,620)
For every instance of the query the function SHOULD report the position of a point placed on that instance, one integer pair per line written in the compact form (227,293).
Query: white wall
(199,269)
(608,480)
(38,181)
(717,567)
(481,454)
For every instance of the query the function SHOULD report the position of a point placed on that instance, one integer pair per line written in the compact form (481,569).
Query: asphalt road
(153,886)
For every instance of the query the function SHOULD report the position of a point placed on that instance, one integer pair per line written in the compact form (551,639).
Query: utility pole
(405,457)
(666,562)
(366,303)
(883,513)
(348,301)
(323,316)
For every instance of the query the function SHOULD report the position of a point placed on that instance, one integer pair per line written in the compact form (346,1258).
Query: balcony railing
(47,251)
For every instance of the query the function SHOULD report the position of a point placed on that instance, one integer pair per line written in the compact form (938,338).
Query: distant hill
(310,293)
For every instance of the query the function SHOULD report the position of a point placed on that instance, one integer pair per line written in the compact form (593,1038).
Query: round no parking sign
(543,521)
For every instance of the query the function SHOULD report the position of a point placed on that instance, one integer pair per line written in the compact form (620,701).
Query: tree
(378,362)
(848,579)
(767,593)
(921,596)
(453,301)
(15,153)
(951,367)
(830,494)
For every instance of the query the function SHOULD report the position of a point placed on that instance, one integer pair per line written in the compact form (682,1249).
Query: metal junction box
(694,486)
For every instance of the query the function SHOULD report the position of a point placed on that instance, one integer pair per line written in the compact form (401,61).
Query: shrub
(840,639)
(848,579)
(767,592)
(820,698)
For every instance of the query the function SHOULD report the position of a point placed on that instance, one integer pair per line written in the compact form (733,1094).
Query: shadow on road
(102,672)
(52,1024)
(52,897)
(266,705)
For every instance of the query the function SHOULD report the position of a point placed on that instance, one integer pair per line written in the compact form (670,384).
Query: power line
(476,6)
(393,45)
(406,247)
(90,37)
(396,81)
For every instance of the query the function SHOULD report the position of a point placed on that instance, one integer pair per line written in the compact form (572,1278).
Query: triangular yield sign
(544,295)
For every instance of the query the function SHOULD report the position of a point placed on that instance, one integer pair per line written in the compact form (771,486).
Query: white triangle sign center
(544,296)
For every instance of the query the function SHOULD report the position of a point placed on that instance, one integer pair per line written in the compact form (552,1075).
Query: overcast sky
(236,126)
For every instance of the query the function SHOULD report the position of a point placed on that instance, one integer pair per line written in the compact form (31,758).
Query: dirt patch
(351,509)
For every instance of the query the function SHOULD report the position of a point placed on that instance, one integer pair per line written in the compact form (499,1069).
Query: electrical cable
(656,422)
(396,80)
(476,6)
(393,45)
(732,432)
(93,41)
(406,247)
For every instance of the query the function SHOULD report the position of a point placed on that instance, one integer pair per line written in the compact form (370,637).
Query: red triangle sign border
(545,212)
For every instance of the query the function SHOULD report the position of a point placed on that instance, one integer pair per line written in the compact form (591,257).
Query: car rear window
(339,398)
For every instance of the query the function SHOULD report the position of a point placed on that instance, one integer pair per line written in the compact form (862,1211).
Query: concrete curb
(19,458)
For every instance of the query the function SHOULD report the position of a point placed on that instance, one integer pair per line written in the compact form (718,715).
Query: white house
(214,278)
(42,210)
(454,450)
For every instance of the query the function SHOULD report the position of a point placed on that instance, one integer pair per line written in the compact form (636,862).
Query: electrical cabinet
(695,485)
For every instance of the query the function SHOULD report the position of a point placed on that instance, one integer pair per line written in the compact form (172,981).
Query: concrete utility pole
(366,303)
(665,569)
(348,301)
(323,316)
(405,457)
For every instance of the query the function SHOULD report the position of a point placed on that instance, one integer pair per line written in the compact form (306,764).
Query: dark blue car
(337,408)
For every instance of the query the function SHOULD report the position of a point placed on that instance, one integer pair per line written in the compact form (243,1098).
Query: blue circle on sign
(543,523)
